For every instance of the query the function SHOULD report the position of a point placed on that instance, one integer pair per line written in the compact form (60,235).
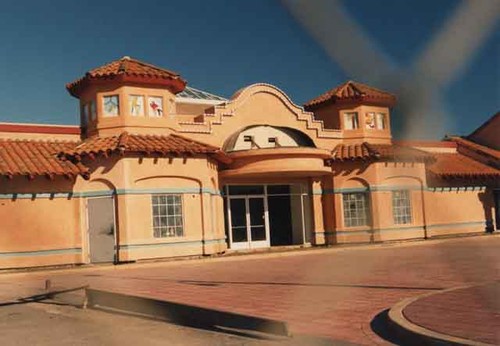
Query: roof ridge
(371,87)
(151,65)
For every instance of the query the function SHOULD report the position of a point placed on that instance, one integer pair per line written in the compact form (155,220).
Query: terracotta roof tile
(352,91)
(367,151)
(37,158)
(456,165)
(128,67)
(478,148)
(145,144)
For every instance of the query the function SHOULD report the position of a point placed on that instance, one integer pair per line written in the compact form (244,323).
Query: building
(158,169)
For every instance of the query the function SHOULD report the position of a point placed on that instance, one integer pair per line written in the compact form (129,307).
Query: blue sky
(218,46)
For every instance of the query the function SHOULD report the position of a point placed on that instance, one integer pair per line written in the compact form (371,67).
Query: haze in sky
(218,46)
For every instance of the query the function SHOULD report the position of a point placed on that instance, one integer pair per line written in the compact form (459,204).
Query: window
(85,115)
(351,121)
(355,209)
(155,106)
(167,216)
(136,105)
(93,110)
(111,105)
(370,120)
(380,121)
(401,206)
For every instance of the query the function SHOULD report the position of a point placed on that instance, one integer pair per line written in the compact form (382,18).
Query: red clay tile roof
(128,69)
(32,158)
(353,91)
(426,144)
(456,165)
(144,144)
(478,148)
(495,119)
(367,151)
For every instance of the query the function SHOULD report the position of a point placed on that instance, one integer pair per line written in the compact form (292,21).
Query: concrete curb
(183,314)
(420,335)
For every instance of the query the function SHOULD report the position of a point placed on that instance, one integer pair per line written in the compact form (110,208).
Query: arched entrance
(267,186)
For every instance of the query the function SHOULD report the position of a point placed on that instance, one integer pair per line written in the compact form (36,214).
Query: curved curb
(421,335)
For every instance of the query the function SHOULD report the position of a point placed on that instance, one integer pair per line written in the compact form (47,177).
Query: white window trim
(175,235)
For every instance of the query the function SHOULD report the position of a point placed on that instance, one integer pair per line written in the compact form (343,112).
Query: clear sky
(218,46)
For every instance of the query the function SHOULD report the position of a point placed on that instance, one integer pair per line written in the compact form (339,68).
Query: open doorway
(267,215)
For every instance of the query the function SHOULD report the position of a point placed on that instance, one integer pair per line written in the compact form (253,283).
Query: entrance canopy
(290,162)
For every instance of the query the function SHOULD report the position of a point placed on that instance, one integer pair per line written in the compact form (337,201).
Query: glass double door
(249,222)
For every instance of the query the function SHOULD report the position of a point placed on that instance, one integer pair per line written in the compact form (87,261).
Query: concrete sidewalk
(327,293)
(461,316)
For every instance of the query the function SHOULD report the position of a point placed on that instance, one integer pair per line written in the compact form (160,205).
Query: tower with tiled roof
(359,110)
(127,94)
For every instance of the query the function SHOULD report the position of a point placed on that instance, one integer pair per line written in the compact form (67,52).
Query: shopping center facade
(158,169)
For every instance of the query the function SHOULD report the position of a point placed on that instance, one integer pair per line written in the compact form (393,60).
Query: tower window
(247,138)
(111,105)
(381,121)
(136,105)
(351,121)
(370,120)
(93,110)
(155,106)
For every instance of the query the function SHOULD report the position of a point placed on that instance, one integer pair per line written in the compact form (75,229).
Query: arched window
(265,136)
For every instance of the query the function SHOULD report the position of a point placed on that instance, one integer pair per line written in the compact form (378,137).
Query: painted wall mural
(111,105)
(136,105)
(155,106)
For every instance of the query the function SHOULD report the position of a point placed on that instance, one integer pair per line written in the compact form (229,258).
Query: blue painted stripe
(378,230)
(197,190)
(75,250)
(452,189)
(411,228)
(168,244)
(377,188)
(458,224)
(104,193)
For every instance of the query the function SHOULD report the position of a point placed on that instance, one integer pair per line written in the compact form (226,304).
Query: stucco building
(159,169)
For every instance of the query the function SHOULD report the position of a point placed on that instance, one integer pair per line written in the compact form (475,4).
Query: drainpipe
(202,204)
(423,211)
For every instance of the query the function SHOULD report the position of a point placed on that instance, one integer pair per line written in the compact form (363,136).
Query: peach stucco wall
(39,229)
(458,211)
(49,230)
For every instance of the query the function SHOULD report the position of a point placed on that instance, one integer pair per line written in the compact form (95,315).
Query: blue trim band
(411,228)
(105,193)
(176,243)
(458,224)
(378,230)
(75,250)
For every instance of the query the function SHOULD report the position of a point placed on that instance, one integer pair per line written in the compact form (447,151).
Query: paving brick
(329,293)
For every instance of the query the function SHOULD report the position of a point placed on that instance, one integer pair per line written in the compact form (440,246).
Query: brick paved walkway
(333,292)
(471,313)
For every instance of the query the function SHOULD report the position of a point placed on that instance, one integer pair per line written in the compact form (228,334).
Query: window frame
(161,229)
(130,97)
(378,116)
(151,113)
(118,106)
(350,217)
(374,122)
(354,125)
(402,214)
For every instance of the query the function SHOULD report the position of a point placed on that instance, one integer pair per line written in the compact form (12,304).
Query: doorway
(249,222)
(101,229)
(267,215)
